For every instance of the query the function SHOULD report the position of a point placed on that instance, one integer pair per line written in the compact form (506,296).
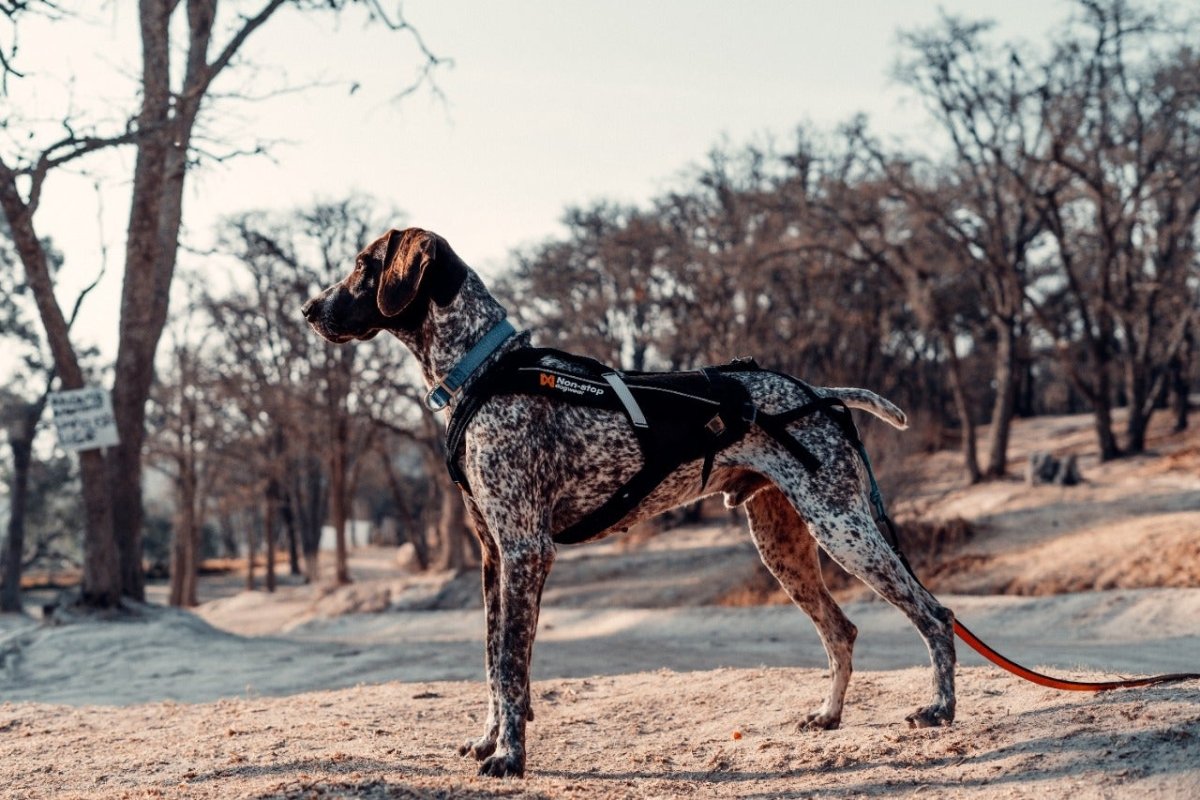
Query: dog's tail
(870,402)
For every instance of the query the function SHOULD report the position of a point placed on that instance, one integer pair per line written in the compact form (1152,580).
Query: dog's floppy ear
(409,253)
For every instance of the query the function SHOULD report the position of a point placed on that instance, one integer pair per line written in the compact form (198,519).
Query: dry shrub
(1185,459)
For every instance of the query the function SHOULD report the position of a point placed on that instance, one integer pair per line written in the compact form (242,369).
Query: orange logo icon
(546,380)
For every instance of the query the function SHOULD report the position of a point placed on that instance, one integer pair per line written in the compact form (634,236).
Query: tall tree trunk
(1180,387)
(185,542)
(101,586)
(293,538)
(21,444)
(452,529)
(1097,390)
(1102,413)
(142,294)
(414,533)
(178,564)
(269,528)
(1026,405)
(1140,408)
(151,248)
(101,582)
(191,584)
(962,408)
(1002,408)
(337,502)
(314,501)
(251,547)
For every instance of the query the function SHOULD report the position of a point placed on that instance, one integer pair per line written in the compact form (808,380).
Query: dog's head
(395,278)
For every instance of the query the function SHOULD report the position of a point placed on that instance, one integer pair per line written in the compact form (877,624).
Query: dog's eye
(360,283)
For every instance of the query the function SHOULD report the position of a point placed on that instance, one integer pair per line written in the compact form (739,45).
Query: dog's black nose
(308,308)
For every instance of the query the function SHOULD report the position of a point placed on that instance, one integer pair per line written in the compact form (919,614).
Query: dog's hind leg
(833,504)
(525,562)
(790,553)
(851,538)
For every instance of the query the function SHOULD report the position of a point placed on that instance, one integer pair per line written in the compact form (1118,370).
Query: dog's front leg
(524,564)
(485,745)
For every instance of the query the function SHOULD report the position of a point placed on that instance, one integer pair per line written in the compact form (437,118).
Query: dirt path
(724,733)
(163,654)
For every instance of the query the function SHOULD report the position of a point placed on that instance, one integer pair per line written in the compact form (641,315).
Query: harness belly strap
(677,417)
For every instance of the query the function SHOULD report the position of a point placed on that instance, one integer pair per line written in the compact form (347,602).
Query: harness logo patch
(568,386)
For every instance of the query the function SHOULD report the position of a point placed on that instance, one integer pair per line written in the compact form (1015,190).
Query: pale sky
(549,103)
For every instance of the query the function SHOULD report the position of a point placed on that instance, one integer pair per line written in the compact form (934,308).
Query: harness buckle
(715,426)
(440,396)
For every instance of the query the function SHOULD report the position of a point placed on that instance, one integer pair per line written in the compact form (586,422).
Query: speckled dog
(537,465)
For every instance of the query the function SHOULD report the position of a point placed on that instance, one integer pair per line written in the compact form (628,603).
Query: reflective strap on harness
(626,397)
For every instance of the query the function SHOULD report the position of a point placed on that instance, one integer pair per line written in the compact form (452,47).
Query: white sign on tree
(84,418)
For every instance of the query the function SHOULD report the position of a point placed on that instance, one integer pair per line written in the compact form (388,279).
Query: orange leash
(979,646)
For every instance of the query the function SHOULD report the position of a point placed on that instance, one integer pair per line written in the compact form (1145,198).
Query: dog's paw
(819,721)
(937,715)
(478,749)
(529,711)
(503,765)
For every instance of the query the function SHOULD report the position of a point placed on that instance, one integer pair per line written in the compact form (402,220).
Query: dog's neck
(450,331)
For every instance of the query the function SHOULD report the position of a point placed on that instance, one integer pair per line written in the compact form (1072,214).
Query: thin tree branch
(249,26)
(11,9)
(76,147)
(103,260)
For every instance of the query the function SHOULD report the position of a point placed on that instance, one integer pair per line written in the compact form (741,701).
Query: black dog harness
(677,417)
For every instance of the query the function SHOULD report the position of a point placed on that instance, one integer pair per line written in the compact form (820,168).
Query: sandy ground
(722,733)
(644,687)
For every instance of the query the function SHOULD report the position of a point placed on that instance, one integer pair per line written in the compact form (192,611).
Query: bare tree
(188,444)
(161,131)
(316,406)
(21,415)
(1123,124)
(20,418)
(983,98)
(601,291)
(875,223)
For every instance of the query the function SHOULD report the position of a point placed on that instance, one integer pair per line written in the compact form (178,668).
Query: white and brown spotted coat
(537,465)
